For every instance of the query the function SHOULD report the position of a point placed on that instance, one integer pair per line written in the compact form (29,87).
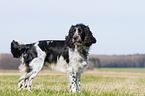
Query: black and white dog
(69,56)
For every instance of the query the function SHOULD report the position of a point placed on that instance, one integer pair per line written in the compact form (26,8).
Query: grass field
(134,70)
(99,82)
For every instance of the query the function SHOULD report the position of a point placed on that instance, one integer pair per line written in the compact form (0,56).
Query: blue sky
(118,25)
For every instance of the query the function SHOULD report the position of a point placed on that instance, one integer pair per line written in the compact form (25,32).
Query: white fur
(77,62)
(37,63)
(60,66)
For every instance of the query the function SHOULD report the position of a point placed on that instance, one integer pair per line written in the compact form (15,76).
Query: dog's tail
(17,48)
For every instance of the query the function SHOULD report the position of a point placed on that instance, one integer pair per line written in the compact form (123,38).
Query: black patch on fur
(21,85)
(54,49)
(28,56)
(29,69)
(73,76)
(83,51)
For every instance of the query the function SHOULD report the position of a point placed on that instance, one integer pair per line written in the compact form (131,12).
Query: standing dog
(69,56)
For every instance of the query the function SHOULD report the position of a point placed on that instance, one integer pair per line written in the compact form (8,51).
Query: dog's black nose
(75,38)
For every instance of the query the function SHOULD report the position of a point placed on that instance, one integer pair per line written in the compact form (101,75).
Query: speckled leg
(29,83)
(78,82)
(22,79)
(72,81)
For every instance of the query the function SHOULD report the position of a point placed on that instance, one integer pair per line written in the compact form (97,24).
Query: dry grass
(95,83)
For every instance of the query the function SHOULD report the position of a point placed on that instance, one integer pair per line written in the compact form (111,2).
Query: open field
(99,82)
(133,70)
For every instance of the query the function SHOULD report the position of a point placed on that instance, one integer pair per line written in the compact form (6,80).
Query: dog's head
(16,49)
(80,35)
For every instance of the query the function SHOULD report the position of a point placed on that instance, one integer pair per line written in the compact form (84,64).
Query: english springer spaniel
(69,56)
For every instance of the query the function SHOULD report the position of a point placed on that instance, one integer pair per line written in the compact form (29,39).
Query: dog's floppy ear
(68,39)
(89,39)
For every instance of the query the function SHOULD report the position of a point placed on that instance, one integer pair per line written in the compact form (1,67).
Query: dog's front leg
(78,82)
(72,81)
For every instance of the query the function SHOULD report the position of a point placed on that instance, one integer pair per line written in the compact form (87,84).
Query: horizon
(94,54)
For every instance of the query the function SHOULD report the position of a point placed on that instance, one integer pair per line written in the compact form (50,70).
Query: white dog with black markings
(69,56)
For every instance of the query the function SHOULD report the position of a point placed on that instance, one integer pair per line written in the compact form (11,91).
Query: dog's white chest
(77,62)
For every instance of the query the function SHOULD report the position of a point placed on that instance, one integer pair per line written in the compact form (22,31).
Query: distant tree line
(8,62)
(95,61)
(115,61)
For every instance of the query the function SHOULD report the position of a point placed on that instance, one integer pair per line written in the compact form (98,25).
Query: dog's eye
(80,31)
(74,31)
